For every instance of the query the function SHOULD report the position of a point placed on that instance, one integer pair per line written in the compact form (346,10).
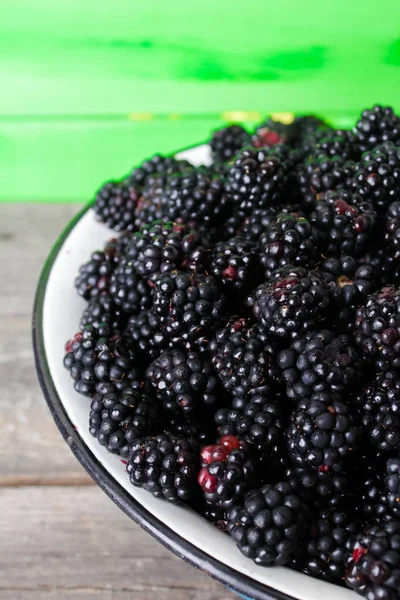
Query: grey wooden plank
(62,543)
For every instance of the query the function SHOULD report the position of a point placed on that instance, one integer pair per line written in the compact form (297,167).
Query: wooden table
(60,536)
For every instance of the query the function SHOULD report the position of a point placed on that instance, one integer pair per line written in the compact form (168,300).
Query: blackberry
(245,358)
(117,419)
(94,276)
(373,569)
(320,362)
(322,433)
(190,308)
(392,228)
(372,502)
(287,241)
(115,205)
(323,488)
(256,179)
(257,223)
(377,176)
(377,125)
(145,332)
(335,142)
(271,132)
(379,411)
(101,309)
(158,164)
(165,465)
(343,224)
(228,471)
(232,226)
(270,525)
(99,355)
(226,142)
(129,291)
(377,328)
(293,303)
(183,381)
(392,486)
(164,246)
(235,264)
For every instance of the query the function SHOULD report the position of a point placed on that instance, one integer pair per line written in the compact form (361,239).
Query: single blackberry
(164,246)
(190,308)
(322,488)
(386,263)
(165,465)
(235,264)
(287,241)
(129,291)
(256,179)
(117,419)
(320,362)
(392,486)
(270,525)
(377,125)
(245,358)
(94,276)
(183,381)
(99,355)
(226,142)
(270,133)
(228,471)
(293,303)
(373,569)
(157,164)
(101,309)
(322,433)
(392,228)
(371,492)
(115,205)
(379,411)
(145,332)
(377,176)
(377,328)
(343,224)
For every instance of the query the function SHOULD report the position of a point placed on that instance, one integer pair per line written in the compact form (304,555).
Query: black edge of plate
(167,537)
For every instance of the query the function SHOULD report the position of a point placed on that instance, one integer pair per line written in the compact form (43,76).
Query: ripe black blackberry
(235,264)
(94,276)
(392,486)
(129,291)
(102,309)
(379,411)
(377,125)
(271,132)
(343,224)
(232,226)
(370,491)
(322,433)
(293,303)
(190,307)
(392,228)
(256,179)
(117,419)
(377,329)
(97,355)
(145,332)
(165,465)
(256,223)
(244,358)
(377,176)
(115,205)
(287,241)
(157,164)
(331,143)
(226,142)
(270,525)
(183,381)
(164,246)
(228,472)
(373,569)
(322,488)
(320,362)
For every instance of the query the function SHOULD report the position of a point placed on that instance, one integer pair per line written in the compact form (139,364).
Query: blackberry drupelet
(101,309)
(377,328)
(245,358)
(190,307)
(235,264)
(293,303)
(392,486)
(165,465)
(166,165)
(183,381)
(379,411)
(115,205)
(377,125)
(270,525)
(373,569)
(129,291)
(226,142)
(228,472)
(94,276)
(271,132)
(322,433)
(97,355)
(145,332)
(117,419)
(320,362)
(343,224)
(287,241)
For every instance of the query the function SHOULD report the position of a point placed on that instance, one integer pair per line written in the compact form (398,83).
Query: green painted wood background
(72,73)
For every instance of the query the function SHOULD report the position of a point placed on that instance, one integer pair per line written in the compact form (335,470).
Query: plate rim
(231,578)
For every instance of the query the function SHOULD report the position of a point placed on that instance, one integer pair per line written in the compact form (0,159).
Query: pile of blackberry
(240,341)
